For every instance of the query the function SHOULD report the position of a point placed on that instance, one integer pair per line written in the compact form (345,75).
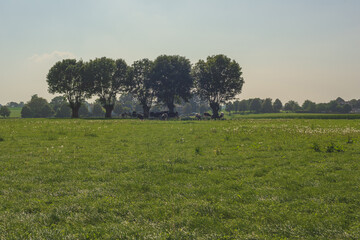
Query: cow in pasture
(157,114)
(125,115)
(198,116)
(164,116)
(140,116)
(207,115)
(161,114)
(218,117)
(173,115)
(134,114)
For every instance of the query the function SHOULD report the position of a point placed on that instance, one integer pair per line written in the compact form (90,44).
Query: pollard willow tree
(217,80)
(108,78)
(172,80)
(67,77)
(140,83)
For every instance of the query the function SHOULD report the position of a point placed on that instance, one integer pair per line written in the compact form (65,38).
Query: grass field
(285,115)
(15,112)
(131,179)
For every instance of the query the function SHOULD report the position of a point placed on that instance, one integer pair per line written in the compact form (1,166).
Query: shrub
(4,111)
(37,107)
(26,112)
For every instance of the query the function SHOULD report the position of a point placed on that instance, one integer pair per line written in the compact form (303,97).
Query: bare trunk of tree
(75,109)
(215,109)
(171,107)
(146,110)
(108,110)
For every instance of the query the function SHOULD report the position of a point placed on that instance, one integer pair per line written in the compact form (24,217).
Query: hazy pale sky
(288,49)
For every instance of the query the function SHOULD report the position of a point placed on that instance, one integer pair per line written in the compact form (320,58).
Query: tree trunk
(171,107)
(215,109)
(75,109)
(146,110)
(108,109)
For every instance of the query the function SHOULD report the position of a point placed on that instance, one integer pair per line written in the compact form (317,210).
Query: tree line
(257,105)
(167,80)
(127,103)
(58,107)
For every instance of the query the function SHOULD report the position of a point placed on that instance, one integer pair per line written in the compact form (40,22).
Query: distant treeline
(257,105)
(14,104)
(58,107)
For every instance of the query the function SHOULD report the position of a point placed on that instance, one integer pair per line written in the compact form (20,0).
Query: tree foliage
(97,110)
(243,105)
(118,109)
(309,106)
(291,106)
(26,112)
(46,111)
(277,106)
(108,78)
(15,104)
(141,84)
(63,111)
(57,102)
(37,107)
(187,109)
(67,77)
(255,105)
(229,107)
(84,110)
(4,111)
(267,106)
(217,80)
(172,80)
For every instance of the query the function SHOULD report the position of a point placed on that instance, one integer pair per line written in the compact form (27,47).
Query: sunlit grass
(118,179)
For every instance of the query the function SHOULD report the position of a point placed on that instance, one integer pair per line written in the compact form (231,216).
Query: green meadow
(15,112)
(132,179)
(291,115)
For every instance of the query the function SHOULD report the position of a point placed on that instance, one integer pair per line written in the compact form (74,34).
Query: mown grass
(131,179)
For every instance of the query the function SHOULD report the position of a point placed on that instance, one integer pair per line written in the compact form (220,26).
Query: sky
(288,49)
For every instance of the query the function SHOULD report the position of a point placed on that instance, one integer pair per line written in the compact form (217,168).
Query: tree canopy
(277,106)
(37,107)
(267,106)
(255,105)
(172,80)
(141,83)
(4,111)
(108,78)
(217,80)
(291,106)
(67,77)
